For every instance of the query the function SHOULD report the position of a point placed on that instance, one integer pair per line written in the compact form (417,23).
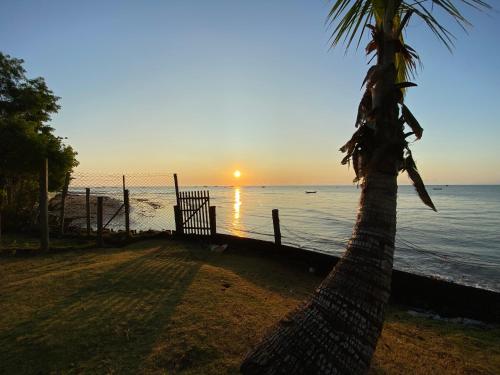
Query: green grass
(163,307)
(25,243)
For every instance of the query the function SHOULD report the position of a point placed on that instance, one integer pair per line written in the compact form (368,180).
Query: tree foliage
(26,106)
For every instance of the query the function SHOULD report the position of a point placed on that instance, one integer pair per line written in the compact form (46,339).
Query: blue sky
(205,87)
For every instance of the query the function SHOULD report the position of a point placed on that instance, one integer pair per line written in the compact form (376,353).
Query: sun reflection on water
(237,204)
(236,213)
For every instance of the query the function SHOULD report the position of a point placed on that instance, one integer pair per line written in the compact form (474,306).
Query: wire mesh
(151,201)
(152,198)
(244,212)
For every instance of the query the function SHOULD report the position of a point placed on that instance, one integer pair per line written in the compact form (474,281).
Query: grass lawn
(163,307)
(14,243)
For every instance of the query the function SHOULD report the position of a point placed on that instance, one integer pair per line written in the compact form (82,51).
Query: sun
(237,173)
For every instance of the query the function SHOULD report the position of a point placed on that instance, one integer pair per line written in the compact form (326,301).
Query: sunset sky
(203,88)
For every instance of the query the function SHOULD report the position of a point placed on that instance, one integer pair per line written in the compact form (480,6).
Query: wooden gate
(194,214)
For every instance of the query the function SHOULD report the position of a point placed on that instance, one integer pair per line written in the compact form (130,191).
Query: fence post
(126,202)
(276,226)
(1,207)
(213,220)
(178,221)
(99,220)
(44,205)
(87,210)
(176,184)
(64,193)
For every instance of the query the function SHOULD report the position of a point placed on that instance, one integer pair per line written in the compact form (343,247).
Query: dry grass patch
(422,346)
(163,307)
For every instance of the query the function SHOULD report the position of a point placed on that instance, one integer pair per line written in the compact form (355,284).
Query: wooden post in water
(213,220)
(64,193)
(100,201)
(87,210)
(44,205)
(126,202)
(276,226)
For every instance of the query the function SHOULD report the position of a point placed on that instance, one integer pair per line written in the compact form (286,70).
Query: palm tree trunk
(337,329)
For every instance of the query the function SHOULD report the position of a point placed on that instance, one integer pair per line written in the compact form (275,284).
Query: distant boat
(311,192)
(262,186)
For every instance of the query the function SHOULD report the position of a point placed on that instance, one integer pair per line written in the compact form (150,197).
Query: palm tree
(336,330)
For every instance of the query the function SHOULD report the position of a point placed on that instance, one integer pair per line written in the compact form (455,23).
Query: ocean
(460,242)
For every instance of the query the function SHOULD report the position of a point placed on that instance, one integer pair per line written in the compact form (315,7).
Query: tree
(336,330)
(26,106)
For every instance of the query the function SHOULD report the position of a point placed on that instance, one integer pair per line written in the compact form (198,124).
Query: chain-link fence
(149,206)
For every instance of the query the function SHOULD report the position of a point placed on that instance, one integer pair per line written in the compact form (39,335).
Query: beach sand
(75,209)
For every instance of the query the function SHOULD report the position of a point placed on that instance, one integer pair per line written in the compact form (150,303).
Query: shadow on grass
(109,324)
(179,307)
(267,271)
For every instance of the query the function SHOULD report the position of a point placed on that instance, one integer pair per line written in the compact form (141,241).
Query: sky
(202,88)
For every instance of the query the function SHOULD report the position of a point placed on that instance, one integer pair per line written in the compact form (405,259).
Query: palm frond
(418,183)
(412,122)
(404,22)
(424,10)
(351,17)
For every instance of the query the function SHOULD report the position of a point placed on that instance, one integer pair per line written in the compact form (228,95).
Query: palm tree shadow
(274,272)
